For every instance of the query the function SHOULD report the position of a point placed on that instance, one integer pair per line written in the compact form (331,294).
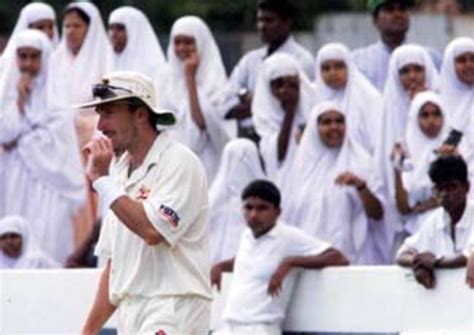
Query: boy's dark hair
(404,3)
(448,168)
(264,190)
(283,8)
(83,15)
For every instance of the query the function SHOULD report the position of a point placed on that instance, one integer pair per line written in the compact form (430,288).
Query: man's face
(412,77)
(118,36)
(392,18)
(260,215)
(184,46)
(334,73)
(464,67)
(452,194)
(332,128)
(286,89)
(117,122)
(75,30)
(430,119)
(272,28)
(29,61)
(11,244)
(46,26)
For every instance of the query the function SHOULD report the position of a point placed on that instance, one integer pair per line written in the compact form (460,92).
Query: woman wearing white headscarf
(282,101)
(339,80)
(35,15)
(411,71)
(240,165)
(19,248)
(426,129)
(135,46)
(196,77)
(79,62)
(41,172)
(333,195)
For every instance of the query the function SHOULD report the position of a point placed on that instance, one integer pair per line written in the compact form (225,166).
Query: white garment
(246,72)
(268,114)
(207,143)
(74,75)
(373,62)
(249,329)
(396,105)
(31,257)
(421,154)
(29,14)
(239,166)
(320,207)
(41,176)
(435,234)
(257,259)
(360,100)
(142,52)
(459,97)
(172,187)
(164,315)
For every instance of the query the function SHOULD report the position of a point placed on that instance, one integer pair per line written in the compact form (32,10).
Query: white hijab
(143,52)
(240,165)
(268,115)
(456,94)
(30,14)
(320,207)
(48,145)
(211,76)
(359,98)
(75,75)
(421,148)
(31,257)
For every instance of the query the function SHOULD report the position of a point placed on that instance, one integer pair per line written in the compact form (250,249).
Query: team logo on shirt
(169,215)
(143,193)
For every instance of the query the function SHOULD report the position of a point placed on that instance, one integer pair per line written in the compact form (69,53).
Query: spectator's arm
(217,269)
(78,258)
(451,262)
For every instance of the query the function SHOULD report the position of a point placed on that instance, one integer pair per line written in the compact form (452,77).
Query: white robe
(328,211)
(207,143)
(41,175)
(31,256)
(239,166)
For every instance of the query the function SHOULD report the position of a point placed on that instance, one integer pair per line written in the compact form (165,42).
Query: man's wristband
(108,190)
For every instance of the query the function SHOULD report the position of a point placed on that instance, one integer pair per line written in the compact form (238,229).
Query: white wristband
(108,190)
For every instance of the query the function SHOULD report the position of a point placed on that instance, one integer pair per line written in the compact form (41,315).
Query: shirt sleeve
(421,241)
(301,244)
(179,197)
(238,80)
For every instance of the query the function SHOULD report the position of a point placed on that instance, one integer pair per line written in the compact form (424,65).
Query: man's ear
(278,210)
(142,114)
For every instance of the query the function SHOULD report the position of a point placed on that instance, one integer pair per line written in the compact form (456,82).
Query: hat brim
(165,117)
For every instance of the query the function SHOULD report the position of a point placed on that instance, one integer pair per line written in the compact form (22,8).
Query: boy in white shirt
(268,250)
(444,236)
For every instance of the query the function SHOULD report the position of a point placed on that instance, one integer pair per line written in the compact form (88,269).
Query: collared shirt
(245,73)
(256,261)
(373,62)
(435,234)
(172,186)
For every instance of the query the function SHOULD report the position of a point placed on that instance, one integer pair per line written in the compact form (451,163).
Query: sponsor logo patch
(169,215)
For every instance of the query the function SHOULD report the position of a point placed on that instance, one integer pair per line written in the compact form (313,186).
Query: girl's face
(75,29)
(11,244)
(412,77)
(430,119)
(464,67)
(334,73)
(332,128)
(184,46)
(286,89)
(45,25)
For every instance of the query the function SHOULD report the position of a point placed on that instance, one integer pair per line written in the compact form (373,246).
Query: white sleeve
(238,80)
(181,196)
(12,123)
(421,241)
(301,244)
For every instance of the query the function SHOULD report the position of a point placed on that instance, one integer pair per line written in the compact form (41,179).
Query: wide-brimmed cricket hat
(122,85)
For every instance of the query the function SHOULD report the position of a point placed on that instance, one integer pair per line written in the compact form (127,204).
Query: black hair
(136,103)
(405,4)
(448,168)
(283,8)
(83,15)
(264,190)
